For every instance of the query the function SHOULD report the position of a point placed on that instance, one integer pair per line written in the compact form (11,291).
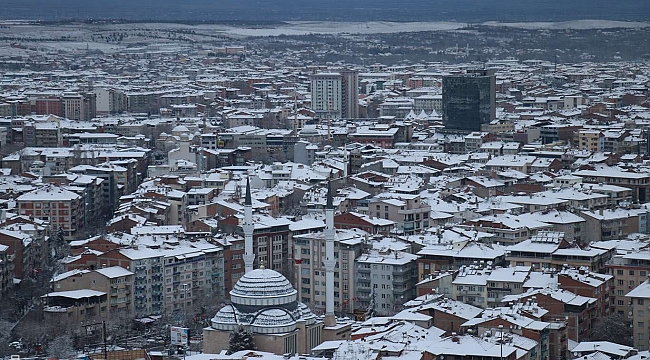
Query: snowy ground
(575,24)
(306,27)
(381,27)
(75,38)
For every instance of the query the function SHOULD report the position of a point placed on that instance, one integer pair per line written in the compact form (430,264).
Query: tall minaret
(330,261)
(346,161)
(248,227)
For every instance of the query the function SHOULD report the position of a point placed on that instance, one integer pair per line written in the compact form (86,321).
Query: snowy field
(574,24)
(326,27)
(78,38)
(385,27)
(308,27)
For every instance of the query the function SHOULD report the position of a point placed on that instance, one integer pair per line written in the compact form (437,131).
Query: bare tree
(613,328)
(11,148)
(260,155)
(60,347)
(278,155)
(33,333)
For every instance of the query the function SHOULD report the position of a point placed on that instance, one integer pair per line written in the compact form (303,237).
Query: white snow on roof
(67,274)
(641,291)
(75,294)
(114,272)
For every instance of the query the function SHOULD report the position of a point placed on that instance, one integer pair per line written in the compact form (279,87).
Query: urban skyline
(450,180)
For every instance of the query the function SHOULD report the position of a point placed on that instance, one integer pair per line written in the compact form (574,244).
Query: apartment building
(327,95)
(591,140)
(147,266)
(587,283)
(6,272)
(639,300)
(509,229)
(628,270)
(115,281)
(309,273)
(567,223)
(409,213)
(442,257)
(367,223)
(75,306)
(88,187)
(189,275)
(639,182)
(485,287)
(386,279)
(271,242)
(60,207)
(610,224)
(578,311)
(42,134)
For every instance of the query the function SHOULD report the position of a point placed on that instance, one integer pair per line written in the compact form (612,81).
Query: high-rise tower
(469,100)
(249,256)
(335,95)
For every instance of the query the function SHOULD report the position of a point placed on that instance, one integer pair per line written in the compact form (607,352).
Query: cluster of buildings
(428,211)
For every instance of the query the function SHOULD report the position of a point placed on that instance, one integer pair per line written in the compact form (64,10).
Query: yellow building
(591,140)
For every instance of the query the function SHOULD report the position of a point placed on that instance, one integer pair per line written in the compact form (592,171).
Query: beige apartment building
(116,282)
(639,300)
(591,140)
(629,271)
(408,212)
(75,306)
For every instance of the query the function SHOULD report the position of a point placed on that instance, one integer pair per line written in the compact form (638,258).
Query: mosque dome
(226,318)
(180,129)
(306,314)
(263,287)
(273,320)
(265,301)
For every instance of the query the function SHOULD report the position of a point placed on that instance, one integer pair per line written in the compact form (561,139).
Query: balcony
(400,292)
(412,211)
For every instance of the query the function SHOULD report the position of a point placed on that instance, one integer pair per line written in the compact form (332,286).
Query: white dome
(306,314)
(273,321)
(226,318)
(264,300)
(263,287)
(180,128)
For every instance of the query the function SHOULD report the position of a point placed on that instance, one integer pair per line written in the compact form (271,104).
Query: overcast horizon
(332,10)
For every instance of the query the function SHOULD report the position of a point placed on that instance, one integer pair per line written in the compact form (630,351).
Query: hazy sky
(346,10)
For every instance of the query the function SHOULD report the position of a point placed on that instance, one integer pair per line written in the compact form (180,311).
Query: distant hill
(335,10)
